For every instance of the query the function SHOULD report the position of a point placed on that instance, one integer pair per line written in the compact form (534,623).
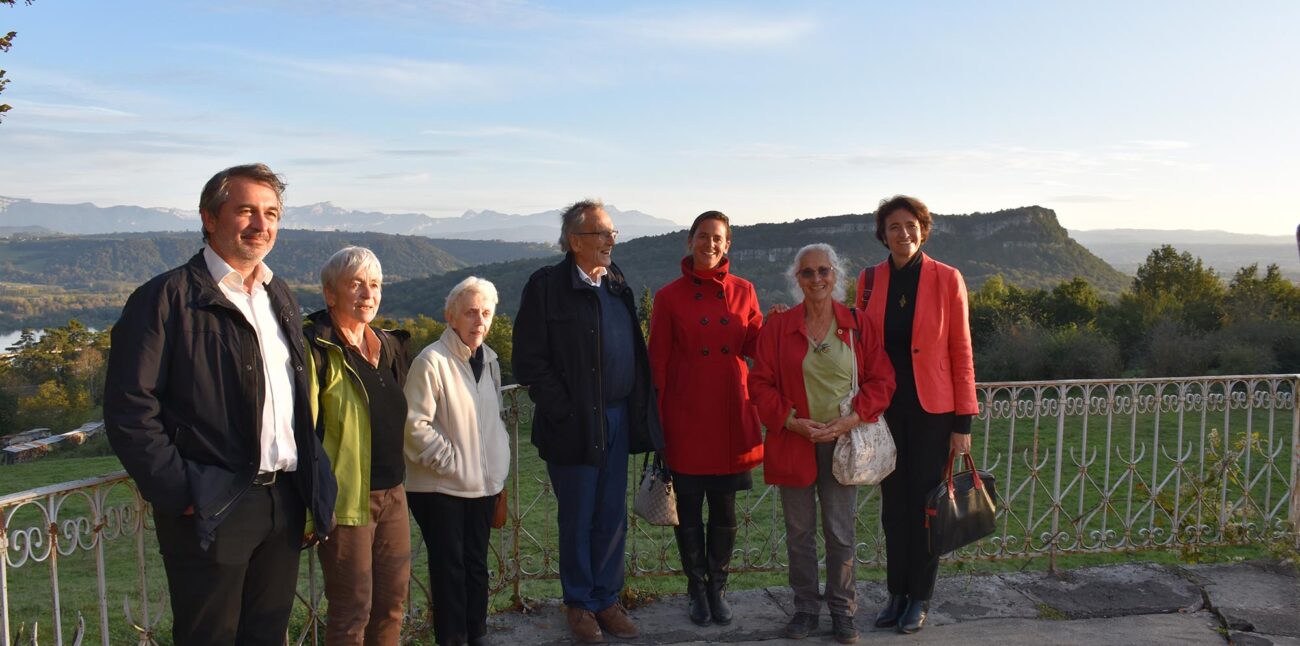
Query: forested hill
(1027,246)
(82,262)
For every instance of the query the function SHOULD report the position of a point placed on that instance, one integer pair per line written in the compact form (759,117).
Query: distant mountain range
(19,216)
(1126,249)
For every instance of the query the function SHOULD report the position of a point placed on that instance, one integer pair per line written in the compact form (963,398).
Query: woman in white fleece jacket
(457,458)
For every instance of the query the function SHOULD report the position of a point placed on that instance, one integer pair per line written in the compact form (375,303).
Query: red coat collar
(718,273)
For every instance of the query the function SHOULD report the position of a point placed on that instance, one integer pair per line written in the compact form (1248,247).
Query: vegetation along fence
(1081,466)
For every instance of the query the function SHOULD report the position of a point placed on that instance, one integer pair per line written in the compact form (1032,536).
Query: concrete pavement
(1251,604)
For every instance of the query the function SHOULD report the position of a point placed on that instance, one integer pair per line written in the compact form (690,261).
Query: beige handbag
(655,500)
(864,455)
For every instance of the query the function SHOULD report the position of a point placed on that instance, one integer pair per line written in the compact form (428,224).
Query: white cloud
(714,29)
(69,112)
(396,76)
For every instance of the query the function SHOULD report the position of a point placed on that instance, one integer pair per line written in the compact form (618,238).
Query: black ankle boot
(914,617)
(690,545)
(894,608)
(721,540)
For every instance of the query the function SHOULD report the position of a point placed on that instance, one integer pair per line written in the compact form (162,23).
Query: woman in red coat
(701,328)
(921,306)
(803,368)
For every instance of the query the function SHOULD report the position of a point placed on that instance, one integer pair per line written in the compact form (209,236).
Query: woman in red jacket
(921,306)
(803,369)
(701,328)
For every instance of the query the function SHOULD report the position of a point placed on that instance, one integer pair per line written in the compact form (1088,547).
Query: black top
(900,310)
(476,363)
(387,417)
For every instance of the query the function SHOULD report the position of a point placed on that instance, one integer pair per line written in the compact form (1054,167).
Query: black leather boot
(894,608)
(690,545)
(721,541)
(914,617)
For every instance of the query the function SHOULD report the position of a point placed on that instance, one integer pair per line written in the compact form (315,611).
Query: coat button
(697,281)
(723,320)
(698,296)
(705,352)
(704,321)
(916,351)
(721,294)
(248,366)
(725,350)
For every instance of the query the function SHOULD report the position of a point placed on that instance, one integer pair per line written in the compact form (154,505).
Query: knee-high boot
(690,544)
(721,542)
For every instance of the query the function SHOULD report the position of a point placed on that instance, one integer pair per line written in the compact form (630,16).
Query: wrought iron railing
(1081,466)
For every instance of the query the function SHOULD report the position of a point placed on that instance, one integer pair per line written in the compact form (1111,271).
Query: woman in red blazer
(921,306)
(702,327)
(803,368)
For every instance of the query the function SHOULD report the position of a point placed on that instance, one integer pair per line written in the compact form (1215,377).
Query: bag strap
(970,465)
(853,354)
(866,282)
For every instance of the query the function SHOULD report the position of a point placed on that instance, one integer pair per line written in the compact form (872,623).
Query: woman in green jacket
(358,373)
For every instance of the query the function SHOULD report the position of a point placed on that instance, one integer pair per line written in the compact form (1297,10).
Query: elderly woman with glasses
(803,369)
(921,306)
(457,458)
(357,373)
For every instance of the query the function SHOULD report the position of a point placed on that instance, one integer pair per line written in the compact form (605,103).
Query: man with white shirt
(207,407)
(580,351)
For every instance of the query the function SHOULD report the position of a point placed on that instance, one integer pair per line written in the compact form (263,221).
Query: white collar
(594,279)
(222,272)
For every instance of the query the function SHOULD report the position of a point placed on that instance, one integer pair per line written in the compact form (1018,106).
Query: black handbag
(961,509)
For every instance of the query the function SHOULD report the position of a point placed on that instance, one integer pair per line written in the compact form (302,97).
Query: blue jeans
(592,516)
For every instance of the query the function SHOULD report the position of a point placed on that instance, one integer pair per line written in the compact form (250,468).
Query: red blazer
(702,327)
(776,385)
(942,359)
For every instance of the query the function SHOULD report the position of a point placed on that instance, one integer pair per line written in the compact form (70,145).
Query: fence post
(1294,515)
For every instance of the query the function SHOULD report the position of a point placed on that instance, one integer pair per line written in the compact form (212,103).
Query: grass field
(1141,484)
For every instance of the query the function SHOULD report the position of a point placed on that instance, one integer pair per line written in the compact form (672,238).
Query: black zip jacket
(556,355)
(184,394)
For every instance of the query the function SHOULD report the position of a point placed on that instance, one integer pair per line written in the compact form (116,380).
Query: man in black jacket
(206,405)
(579,350)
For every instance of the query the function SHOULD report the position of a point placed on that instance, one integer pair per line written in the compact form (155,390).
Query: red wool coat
(701,328)
(777,387)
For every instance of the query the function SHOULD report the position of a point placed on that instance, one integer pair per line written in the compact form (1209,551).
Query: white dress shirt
(279,452)
(594,279)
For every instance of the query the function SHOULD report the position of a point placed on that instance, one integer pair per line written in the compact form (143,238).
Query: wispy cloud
(69,112)
(425,152)
(714,30)
(396,76)
(1085,199)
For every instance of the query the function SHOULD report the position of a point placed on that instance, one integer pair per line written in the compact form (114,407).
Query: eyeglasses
(807,272)
(608,235)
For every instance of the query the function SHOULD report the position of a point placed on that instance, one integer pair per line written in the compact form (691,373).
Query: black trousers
(722,507)
(456,533)
(922,442)
(241,589)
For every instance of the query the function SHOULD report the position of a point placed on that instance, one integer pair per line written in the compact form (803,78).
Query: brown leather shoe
(583,625)
(615,621)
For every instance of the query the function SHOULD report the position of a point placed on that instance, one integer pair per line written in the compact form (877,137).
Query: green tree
(643,310)
(1268,297)
(6,42)
(1075,303)
(1180,286)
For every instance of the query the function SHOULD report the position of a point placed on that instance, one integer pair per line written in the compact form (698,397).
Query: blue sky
(1115,114)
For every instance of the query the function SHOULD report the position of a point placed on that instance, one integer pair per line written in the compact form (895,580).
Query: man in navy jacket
(206,405)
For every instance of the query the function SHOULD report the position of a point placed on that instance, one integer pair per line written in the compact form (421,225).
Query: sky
(1163,115)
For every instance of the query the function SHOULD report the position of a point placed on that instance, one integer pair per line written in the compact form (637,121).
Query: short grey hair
(837,265)
(217,190)
(350,261)
(573,217)
(471,285)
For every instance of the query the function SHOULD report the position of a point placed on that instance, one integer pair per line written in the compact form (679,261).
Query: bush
(1173,350)
(1083,353)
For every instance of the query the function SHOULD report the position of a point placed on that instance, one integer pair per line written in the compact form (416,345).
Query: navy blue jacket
(556,354)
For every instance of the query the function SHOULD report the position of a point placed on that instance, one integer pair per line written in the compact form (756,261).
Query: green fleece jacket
(341,412)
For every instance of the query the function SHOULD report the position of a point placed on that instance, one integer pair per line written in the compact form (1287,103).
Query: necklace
(902,300)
